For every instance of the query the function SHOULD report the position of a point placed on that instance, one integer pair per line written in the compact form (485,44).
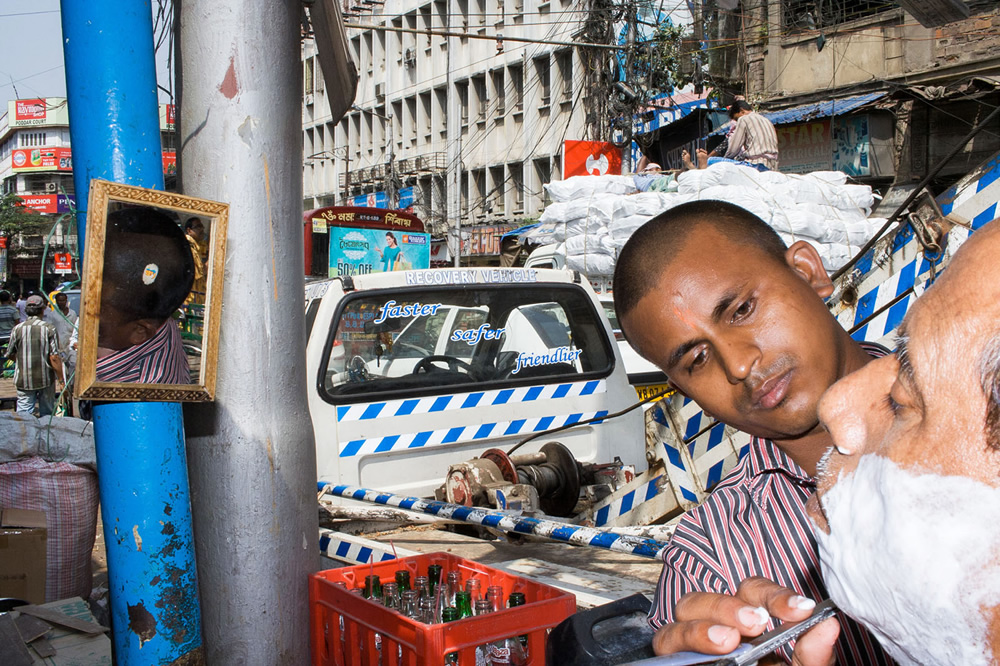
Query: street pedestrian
(9,316)
(64,319)
(35,348)
(21,300)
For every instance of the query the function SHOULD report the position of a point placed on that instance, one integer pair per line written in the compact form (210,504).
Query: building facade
(36,164)
(460,126)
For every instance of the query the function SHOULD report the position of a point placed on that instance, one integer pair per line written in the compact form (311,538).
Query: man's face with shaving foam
(908,507)
(747,337)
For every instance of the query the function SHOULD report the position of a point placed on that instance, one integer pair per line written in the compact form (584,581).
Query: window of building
(498,188)
(369,137)
(544,84)
(463,14)
(479,178)
(516,171)
(808,15)
(516,73)
(411,120)
(482,100)
(427,24)
(462,89)
(307,78)
(481,12)
(543,175)
(463,194)
(441,109)
(397,124)
(499,93)
(564,64)
(425,111)
(32,139)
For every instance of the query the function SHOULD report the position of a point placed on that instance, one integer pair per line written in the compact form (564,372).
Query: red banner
(47,203)
(169,162)
(47,158)
(591,158)
(29,109)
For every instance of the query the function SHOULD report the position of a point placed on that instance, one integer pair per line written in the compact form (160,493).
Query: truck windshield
(407,341)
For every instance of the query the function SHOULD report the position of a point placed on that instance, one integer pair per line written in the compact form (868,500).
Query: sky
(31,51)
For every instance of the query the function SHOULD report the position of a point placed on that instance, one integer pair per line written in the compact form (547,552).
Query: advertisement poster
(591,158)
(355,251)
(48,203)
(62,263)
(37,112)
(29,111)
(46,158)
(851,146)
(805,147)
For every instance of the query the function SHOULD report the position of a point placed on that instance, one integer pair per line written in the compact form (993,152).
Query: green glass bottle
(373,587)
(434,576)
(450,615)
(463,603)
(403,580)
(517,599)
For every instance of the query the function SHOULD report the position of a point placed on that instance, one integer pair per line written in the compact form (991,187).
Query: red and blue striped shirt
(755,524)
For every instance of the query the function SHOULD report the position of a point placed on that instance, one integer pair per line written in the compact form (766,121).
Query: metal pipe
(549,529)
(145,504)
(252,453)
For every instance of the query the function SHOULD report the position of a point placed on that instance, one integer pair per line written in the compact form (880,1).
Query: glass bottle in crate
(373,588)
(506,651)
(390,595)
(408,604)
(494,594)
(434,576)
(463,604)
(517,599)
(403,580)
(482,607)
(454,586)
(450,615)
(422,585)
(427,614)
(474,587)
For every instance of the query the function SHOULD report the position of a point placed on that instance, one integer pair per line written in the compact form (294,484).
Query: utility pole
(631,12)
(253,464)
(453,176)
(390,168)
(142,468)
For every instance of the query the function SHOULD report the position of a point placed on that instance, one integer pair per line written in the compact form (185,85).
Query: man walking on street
(34,346)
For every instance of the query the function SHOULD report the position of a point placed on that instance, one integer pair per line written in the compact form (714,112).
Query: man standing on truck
(710,294)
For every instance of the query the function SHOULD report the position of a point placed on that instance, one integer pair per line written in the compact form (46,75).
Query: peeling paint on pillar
(229,87)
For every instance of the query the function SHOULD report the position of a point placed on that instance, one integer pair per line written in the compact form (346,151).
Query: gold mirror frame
(102,195)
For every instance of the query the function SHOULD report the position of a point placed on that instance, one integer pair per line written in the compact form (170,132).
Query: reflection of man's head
(195,228)
(148,272)
(909,533)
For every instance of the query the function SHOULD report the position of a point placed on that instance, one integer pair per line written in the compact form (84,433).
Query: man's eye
(892,405)
(745,308)
(699,360)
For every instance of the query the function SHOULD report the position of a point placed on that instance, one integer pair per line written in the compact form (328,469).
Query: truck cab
(412,372)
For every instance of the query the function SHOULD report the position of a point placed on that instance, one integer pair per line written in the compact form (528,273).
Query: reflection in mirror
(152,295)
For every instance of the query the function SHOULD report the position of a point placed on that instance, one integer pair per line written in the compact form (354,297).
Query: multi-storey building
(461,125)
(36,164)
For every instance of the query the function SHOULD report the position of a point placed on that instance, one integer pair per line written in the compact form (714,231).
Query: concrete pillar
(252,461)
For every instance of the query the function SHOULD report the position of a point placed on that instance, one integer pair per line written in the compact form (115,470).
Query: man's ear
(140,330)
(803,258)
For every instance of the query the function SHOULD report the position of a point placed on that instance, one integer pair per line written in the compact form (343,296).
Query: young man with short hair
(35,348)
(710,294)
(753,141)
(148,272)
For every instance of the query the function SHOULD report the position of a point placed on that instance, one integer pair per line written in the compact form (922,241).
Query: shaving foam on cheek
(914,558)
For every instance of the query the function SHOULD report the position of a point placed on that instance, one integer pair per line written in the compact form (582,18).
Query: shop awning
(824,109)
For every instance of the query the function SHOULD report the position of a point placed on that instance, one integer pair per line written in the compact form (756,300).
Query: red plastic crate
(421,643)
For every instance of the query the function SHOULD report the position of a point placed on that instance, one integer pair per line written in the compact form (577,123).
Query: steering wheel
(426,363)
(357,370)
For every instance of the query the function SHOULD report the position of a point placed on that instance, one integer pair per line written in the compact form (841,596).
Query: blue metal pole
(141,461)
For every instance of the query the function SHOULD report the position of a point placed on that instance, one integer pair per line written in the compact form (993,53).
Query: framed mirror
(152,295)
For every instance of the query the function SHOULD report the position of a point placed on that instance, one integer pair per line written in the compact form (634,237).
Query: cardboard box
(22,554)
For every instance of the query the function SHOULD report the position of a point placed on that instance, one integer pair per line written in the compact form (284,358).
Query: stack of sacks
(594,216)
(818,207)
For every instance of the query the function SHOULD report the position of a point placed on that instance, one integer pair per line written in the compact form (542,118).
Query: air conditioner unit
(51,187)
(410,57)
(380,92)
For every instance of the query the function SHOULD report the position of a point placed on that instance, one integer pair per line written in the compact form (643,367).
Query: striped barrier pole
(549,529)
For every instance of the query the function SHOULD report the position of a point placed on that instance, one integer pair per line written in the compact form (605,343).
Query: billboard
(48,203)
(37,112)
(46,158)
(358,251)
(407,197)
(591,158)
(483,240)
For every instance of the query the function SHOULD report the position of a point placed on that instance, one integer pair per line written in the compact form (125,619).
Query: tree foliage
(659,62)
(15,218)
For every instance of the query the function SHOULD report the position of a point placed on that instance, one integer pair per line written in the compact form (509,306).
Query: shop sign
(483,240)
(167,121)
(46,158)
(29,111)
(591,158)
(62,263)
(805,147)
(52,204)
(37,112)
(169,162)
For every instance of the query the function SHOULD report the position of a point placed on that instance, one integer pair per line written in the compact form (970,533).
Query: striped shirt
(32,342)
(159,360)
(755,524)
(754,141)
